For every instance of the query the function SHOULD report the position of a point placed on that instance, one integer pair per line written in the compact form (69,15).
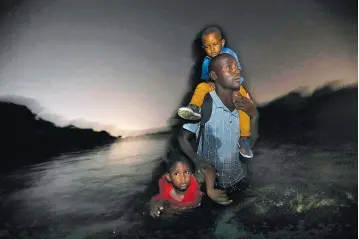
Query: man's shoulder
(212,93)
(216,101)
(191,127)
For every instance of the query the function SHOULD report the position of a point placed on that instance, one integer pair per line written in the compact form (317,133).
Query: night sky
(123,66)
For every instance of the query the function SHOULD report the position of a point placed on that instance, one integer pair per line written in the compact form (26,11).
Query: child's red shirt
(191,198)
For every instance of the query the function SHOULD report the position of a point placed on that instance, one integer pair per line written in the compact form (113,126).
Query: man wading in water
(218,155)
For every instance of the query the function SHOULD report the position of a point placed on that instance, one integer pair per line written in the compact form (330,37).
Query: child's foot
(245,147)
(190,112)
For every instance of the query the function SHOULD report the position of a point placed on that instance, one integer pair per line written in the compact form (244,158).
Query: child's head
(179,171)
(212,41)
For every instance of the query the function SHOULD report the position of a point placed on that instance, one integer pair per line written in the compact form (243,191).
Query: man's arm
(219,196)
(184,139)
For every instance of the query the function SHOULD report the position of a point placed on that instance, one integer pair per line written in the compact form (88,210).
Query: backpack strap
(206,112)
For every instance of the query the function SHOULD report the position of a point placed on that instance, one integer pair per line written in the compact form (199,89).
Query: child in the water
(213,44)
(179,189)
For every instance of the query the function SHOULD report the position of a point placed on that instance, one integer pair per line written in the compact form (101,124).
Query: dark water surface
(296,192)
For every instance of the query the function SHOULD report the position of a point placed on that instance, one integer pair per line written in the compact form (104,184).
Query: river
(296,192)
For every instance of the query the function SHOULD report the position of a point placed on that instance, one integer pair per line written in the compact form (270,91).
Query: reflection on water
(74,190)
(84,194)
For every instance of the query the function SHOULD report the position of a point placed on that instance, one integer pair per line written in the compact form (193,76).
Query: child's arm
(205,70)
(158,203)
(156,206)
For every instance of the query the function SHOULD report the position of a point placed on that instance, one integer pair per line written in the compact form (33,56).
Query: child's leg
(191,112)
(245,122)
(245,127)
(244,143)
(200,92)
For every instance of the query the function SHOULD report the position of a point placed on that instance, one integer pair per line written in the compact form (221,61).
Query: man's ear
(223,42)
(212,75)
(168,177)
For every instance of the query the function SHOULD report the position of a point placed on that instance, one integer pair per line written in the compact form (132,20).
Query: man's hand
(244,104)
(219,196)
(156,207)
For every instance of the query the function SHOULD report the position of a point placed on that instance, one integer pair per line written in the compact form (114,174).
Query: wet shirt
(207,60)
(220,143)
(192,197)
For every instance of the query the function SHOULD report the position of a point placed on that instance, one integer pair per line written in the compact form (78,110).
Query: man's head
(179,171)
(223,70)
(212,41)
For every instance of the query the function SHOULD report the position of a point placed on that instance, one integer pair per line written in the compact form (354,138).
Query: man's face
(212,44)
(227,73)
(180,176)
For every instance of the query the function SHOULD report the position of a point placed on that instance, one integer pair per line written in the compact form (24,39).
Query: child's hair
(210,30)
(176,156)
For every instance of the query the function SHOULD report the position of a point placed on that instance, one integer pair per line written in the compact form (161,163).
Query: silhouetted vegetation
(328,116)
(28,139)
